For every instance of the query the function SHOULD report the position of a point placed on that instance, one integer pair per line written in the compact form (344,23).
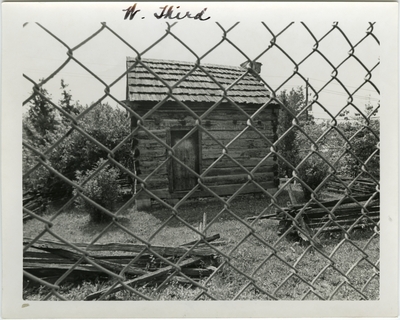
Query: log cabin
(216,121)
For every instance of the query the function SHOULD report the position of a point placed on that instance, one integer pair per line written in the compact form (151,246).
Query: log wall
(224,125)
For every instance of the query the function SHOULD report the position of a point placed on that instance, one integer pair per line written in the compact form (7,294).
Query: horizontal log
(221,190)
(351,208)
(151,147)
(171,123)
(224,168)
(150,144)
(30,256)
(341,217)
(48,258)
(343,214)
(52,274)
(349,179)
(46,268)
(143,135)
(73,256)
(353,187)
(344,223)
(354,183)
(233,125)
(237,178)
(238,170)
(237,153)
(251,188)
(225,162)
(237,118)
(240,144)
(120,247)
(157,181)
(332,203)
(161,173)
(340,214)
(360,185)
(353,191)
(160,179)
(228,135)
(159,152)
(151,164)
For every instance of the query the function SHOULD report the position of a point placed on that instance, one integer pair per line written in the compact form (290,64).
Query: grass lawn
(260,261)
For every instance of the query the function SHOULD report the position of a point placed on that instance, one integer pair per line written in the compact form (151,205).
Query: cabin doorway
(181,179)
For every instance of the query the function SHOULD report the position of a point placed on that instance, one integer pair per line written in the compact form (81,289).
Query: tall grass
(248,263)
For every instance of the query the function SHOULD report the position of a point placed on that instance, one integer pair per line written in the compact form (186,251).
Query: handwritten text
(167,12)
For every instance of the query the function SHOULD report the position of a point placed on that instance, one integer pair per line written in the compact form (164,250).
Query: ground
(248,252)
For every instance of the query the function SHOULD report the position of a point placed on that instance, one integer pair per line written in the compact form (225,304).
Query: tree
(66,101)
(363,136)
(364,149)
(107,125)
(42,115)
(350,147)
(287,147)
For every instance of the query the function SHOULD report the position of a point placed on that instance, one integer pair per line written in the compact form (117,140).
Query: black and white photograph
(219,159)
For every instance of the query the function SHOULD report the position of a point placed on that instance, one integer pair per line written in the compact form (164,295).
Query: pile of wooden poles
(335,215)
(140,264)
(359,187)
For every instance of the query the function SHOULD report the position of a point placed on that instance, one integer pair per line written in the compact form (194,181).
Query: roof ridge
(187,63)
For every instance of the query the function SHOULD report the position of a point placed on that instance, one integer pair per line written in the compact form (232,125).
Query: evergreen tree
(287,148)
(66,102)
(42,115)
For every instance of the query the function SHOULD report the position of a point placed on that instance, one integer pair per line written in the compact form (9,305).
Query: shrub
(364,143)
(313,171)
(75,153)
(102,189)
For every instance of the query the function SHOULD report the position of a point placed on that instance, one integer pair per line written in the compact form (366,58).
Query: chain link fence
(277,232)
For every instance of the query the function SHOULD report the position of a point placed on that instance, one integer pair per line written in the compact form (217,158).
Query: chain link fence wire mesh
(211,184)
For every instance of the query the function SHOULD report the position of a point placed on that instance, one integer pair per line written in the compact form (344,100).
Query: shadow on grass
(192,210)
(241,207)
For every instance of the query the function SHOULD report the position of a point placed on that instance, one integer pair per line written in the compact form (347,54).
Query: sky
(105,54)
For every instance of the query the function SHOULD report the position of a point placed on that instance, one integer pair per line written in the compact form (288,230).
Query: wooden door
(188,152)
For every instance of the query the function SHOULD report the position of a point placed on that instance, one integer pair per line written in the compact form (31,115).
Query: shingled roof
(198,87)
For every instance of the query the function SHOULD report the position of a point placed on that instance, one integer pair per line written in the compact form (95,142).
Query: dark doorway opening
(181,179)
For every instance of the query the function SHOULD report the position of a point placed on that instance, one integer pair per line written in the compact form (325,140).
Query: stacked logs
(140,264)
(336,215)
(359,187)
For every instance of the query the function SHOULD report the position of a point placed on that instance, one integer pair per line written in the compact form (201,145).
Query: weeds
(251,261)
